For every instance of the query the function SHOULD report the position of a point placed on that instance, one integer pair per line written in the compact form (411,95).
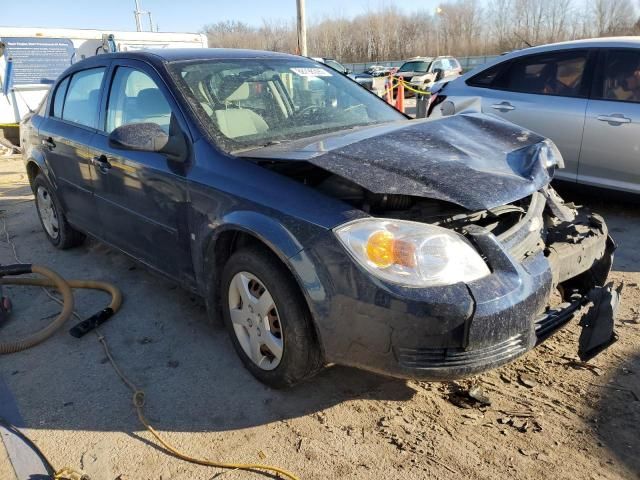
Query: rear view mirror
(150,137)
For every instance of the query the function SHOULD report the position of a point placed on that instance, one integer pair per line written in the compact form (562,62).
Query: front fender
(267,229)
(275,236)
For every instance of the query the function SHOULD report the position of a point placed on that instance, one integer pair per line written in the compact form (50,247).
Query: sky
(180,15)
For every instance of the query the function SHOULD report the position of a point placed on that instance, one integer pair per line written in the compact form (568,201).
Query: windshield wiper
(269,143)
(273,142)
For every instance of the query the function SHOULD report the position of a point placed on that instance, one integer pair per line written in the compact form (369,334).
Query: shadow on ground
(617,419)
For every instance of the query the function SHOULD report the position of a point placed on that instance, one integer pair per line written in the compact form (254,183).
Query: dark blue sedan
(320,223)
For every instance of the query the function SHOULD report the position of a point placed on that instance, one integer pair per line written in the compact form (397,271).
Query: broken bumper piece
(449,332)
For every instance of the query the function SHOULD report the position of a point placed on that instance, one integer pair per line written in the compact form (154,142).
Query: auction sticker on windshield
(311,72)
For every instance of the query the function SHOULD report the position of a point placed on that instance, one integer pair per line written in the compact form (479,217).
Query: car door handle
(101,163)
(49,143)
(614,119)
(503,106)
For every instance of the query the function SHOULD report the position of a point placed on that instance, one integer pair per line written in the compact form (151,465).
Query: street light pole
(302,29)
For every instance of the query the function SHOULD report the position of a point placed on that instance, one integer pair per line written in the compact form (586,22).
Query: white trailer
(32,58)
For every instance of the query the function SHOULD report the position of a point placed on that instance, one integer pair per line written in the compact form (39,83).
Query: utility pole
(137,13)
(302,29)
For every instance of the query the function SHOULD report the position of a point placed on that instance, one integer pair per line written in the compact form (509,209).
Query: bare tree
(461,28)
(613,17)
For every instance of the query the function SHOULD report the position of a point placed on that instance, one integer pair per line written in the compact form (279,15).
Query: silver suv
(422,72)
(584,95)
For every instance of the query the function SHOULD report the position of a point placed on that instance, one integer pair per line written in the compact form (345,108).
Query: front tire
(268,319)
(52,219)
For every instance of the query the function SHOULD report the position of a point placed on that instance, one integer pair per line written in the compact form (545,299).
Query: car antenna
(522,39)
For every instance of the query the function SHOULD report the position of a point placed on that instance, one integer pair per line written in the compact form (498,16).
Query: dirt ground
(549,416)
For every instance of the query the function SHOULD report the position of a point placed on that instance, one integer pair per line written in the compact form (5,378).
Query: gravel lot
(548,415)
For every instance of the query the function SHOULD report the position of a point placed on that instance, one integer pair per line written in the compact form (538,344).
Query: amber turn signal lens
(380,248)
(383,250)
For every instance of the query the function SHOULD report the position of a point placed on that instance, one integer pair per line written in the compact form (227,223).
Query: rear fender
(35,158)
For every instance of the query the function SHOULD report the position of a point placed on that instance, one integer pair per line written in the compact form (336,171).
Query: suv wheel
(53,221)
(268,320)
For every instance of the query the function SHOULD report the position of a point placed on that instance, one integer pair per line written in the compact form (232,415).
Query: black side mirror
(150,137)
(439,74)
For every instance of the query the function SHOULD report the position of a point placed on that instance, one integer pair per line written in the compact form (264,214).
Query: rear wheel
(268,320)
(52,219)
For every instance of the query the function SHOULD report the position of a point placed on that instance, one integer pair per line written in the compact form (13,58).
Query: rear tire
(52,219)
(268,320)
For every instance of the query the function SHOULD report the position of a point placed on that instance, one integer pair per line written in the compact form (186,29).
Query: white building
(32,58)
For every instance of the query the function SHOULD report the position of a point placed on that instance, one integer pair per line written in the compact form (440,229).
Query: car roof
(588,42)
(602,42)
(160,55)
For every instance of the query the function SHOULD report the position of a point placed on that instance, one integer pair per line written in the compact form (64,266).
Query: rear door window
(58,99)
(620,78)
(82,101)
(558,73)
(136,98)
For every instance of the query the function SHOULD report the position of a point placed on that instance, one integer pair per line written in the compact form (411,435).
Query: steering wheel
(311,109)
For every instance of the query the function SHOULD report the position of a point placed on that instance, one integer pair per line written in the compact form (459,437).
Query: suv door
(611,142)
(65,135)
(546,93)
(141,196)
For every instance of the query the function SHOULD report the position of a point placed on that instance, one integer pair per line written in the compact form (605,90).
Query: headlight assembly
(410,253)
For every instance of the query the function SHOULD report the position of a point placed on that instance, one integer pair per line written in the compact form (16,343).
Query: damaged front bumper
(443,333)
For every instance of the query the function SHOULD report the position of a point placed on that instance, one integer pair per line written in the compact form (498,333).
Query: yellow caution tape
(407,85)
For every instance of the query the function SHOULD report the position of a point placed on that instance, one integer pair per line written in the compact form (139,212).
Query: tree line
(455,27)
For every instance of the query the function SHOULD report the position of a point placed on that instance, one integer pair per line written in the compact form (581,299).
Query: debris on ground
(527,380)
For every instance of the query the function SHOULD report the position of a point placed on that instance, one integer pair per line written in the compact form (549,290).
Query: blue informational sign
(37,60)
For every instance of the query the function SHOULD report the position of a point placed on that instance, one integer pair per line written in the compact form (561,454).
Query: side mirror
(149,137)
(347,71)
(439,74)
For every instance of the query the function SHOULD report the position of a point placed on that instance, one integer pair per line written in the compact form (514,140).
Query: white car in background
(584,95)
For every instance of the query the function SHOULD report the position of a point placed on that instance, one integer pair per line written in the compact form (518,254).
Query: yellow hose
(52,279)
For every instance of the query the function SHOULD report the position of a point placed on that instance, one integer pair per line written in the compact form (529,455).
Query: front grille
(435,358)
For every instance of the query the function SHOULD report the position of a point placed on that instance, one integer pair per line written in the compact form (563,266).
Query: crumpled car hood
(473,160)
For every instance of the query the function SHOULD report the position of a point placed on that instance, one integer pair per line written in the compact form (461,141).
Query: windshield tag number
(311,72)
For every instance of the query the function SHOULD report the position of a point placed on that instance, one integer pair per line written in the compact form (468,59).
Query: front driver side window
(135,98)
